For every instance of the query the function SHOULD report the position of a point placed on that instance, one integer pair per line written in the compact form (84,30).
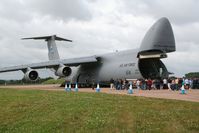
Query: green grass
(36,111)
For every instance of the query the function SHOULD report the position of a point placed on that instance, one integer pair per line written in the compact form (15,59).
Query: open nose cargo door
(158,41)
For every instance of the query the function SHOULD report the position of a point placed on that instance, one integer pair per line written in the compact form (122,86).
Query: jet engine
(31,75)
(63,71)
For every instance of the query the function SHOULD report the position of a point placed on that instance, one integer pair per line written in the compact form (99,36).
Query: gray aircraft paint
(118,65)
(159,37)
(52,50)
(129,64)
(124,65)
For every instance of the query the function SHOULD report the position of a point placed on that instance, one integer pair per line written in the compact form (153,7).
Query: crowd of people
(119,84)
(148,84)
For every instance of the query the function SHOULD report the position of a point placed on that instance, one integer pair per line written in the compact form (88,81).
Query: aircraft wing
(52,64)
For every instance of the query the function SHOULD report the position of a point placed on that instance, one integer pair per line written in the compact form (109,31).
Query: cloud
(24,11)
(182,62)
(62,9)
(179,11)
(187,34)
(14,10)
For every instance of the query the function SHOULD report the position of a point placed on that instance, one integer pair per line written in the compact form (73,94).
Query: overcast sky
(96,27)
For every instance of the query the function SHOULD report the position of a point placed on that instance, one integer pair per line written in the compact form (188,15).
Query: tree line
(23,81)
(192,75)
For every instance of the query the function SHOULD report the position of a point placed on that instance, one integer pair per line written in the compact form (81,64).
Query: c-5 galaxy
(144,62)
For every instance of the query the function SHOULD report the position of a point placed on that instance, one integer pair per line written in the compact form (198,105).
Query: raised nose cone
(159,38)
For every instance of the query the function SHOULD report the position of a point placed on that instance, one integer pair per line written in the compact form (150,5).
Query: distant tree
(2,82)
(23,81)
(192,75)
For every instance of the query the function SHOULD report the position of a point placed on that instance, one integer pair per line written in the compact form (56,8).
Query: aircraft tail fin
(158,40)
(52,48)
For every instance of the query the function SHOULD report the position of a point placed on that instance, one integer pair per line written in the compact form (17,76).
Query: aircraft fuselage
(118,65)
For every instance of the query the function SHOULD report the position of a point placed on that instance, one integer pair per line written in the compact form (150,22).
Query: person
(93,84)
(169,84)
(138,84)
(182,88)
(117,84)
(153,86)
(120,84)
(190,83)
(111,84)
(149,83)
(143,84)
(180,81)
(176,84)
(186,81)
(126,86)
(173,84)
(161,84)
(157,84)
(165,86)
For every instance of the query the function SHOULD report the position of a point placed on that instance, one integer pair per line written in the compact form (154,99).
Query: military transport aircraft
(130,64)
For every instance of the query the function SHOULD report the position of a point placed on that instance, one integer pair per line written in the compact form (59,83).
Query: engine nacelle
(63,71)
(31,75)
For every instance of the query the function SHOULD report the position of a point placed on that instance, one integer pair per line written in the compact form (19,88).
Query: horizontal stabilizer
(48,38)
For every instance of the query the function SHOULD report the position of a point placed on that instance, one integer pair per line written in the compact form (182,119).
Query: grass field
(51,111)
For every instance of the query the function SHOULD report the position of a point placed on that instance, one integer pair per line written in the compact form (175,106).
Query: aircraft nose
(159,37)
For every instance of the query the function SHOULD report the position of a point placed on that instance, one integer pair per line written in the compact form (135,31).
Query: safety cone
(66,87)
(98,88)
(69,88)
(130,90)
(183,91)
(76,88)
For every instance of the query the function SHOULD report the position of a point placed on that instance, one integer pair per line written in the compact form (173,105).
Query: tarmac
(191,95)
